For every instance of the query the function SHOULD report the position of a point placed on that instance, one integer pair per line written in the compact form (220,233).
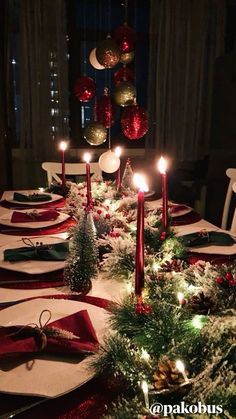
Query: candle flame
(144,387)
(87,157)
(63,145)
(118,151)
(162,165)
(140,183)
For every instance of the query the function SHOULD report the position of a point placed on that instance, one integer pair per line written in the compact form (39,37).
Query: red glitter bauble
(134,122)
(105,110)
(123,74)
(125,38)
(84,88)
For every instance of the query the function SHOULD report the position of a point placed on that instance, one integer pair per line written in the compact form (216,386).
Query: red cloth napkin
(15,340)
(24,217)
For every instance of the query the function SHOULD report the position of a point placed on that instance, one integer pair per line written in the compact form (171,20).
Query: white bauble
(109,162)
(93,60)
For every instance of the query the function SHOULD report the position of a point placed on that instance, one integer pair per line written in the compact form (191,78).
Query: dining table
(66,387)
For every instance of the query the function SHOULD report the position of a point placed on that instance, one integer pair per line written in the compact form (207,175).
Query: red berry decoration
(125,38)
(124,74)
(231,282)
(229,276)
(134,122)
(163,235)
(142,308)
(105,110)
(84,88)
(220,280)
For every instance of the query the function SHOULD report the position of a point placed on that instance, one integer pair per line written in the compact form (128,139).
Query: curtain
(186,36)
(43,76)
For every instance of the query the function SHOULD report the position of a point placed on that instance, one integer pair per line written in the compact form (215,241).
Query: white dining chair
(233,225)
(231,173)
(54,169)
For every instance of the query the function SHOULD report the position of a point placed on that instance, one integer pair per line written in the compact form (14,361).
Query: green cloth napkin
(58,251)
(35,197)
(207,238)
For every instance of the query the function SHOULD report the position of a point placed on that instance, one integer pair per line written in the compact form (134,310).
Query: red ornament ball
(105,110)
(108,53)
(229,276)
(231,282)
(220,280)
(84,88)
(125,38)
(134,122)
(123,74)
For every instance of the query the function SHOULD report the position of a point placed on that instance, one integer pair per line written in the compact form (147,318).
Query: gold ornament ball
(127,57)
(108,53)
(95,133)
(125,94)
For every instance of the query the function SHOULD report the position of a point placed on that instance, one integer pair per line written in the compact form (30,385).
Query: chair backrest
(54,169)
(231,173)
(233,225)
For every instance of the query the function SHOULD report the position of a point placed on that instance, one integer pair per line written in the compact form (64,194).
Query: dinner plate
(31,266)
(157,204)
(211,249)
(6,220)
(48,375)
(54,197)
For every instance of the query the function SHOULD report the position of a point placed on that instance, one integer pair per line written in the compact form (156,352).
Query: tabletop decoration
(162,169)
(73,334)
(87,158)
(199,332)
(63,146)
(81,265)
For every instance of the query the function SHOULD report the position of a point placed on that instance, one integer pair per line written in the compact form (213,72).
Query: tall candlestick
(139,259)
(162,168)
(63,147)
(87,158)
(118,151)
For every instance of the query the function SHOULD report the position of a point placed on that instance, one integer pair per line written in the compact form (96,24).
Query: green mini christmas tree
(81,265)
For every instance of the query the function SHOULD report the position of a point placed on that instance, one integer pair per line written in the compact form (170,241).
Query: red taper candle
(63,147)
(162,168)
(139,258)
(87,158)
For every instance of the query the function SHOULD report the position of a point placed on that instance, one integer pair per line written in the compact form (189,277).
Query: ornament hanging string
(84,32)
(125,4)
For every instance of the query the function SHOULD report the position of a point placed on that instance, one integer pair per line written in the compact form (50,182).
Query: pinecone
(201,303)
(167,375)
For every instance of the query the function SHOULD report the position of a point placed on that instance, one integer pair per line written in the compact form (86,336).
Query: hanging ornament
(84,88)
(93,60)
(134,122)
(125,94)
(123,74)
(125,38)
(108,53)
(109,162)
(127,57)
(95,133)
(105,110)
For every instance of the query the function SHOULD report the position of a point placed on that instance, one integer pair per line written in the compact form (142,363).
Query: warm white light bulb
(197,321)
(118,151)
(87,157)
(162,165)
(180,297)
(180,366)
(145,355)
(63,145)
(144,387)
(140,183)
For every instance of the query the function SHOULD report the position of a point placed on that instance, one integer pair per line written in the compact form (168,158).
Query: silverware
(16,412)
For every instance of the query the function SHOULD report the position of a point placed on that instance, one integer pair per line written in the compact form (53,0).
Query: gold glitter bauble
(108,53)
(95,133)
(127,57)
(125,94)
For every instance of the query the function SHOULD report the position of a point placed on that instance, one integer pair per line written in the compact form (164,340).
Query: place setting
(31,199)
